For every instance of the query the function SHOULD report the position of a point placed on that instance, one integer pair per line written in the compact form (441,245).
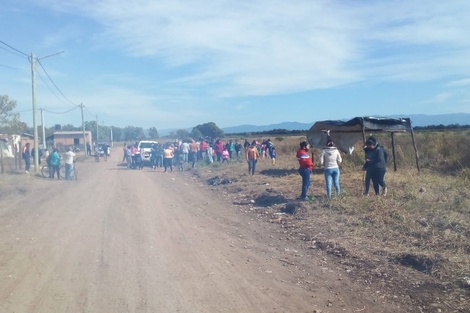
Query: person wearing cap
(330,159)
(305,168)
(375,166)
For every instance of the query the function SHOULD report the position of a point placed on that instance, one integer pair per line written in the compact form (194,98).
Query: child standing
(225,156)
(181,161)
(273,155)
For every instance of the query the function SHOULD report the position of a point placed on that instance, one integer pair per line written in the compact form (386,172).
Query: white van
(145,147)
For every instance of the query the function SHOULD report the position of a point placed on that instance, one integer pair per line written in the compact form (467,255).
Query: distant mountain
(417,120)
(254,128)
(420,120)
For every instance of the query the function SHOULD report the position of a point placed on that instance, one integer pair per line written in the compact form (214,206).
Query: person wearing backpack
(375,166)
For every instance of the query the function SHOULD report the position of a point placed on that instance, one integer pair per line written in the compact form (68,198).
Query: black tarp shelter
(346,133)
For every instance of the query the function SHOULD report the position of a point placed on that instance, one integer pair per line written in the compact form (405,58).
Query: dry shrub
(420,232)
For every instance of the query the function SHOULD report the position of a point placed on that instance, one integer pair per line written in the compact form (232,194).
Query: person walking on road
(305,168)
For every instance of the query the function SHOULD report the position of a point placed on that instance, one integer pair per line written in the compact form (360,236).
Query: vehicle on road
(101,147)
(145,148)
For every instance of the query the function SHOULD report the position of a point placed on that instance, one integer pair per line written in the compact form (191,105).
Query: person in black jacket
(375,166)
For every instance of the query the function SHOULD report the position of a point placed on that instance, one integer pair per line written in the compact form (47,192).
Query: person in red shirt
(305,168)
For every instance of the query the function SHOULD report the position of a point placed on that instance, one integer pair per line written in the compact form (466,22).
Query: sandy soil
(121,240)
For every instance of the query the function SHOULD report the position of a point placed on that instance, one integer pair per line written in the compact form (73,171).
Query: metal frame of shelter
(346,134)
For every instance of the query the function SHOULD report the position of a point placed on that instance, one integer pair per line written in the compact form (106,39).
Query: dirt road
(121,240)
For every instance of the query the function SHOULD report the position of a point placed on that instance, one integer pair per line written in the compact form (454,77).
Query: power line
(13,68)
(24,54)
(54,93)
(62,112)
(54,83)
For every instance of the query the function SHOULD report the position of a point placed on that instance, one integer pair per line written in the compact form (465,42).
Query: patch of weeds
(365,222)
(396,216)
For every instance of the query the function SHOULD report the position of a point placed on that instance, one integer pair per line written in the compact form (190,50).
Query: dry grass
(413,242)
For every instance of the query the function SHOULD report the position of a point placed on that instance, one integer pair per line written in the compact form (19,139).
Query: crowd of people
(53,158)
(376,158)
(179,153)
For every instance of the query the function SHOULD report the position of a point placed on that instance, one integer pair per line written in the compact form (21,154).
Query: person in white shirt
(68,160)
(330,159)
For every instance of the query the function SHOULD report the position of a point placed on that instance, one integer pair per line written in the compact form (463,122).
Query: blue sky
(177,64)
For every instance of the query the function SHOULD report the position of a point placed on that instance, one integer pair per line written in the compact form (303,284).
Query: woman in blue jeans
(331,159)
(305,168)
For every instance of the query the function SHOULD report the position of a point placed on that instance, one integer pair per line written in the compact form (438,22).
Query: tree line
(10,123)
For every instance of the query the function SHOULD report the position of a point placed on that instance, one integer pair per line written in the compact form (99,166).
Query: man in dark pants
(375,166)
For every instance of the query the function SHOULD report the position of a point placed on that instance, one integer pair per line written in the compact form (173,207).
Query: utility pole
(97,129)
(43,130)
(35,126)
(112,142)
(84,134)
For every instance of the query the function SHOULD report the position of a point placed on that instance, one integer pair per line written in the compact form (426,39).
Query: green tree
(182,134)
(209,129)
(118,134)
(10,121)
(153,133)
(132,133)
(196,134)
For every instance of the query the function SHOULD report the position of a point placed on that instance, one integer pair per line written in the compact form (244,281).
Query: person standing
(330,159)
(105,148)
(272,155)
(68,160)
(375,166)
(193,149)
(168,158)
(88,148)
(203,146)
(225,156)
(218,148)
(55,163)
(185,151)
(246,144)
(238,148)
(305,168)
(252,156)
(26,155)
(210,152)
(153,156)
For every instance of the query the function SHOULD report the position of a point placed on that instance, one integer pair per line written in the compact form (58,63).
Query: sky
(176,64)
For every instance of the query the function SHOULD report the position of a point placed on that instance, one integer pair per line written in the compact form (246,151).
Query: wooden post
(19,157)
(392,134)
(416,149)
